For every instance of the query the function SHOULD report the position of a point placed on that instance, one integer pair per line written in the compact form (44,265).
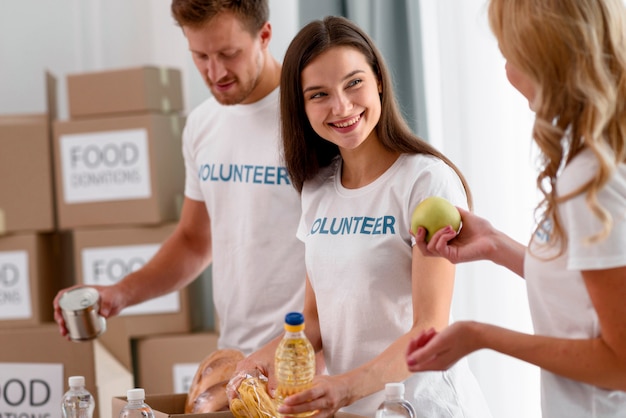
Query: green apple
(434,213)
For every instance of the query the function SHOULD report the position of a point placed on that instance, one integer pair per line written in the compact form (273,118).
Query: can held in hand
(80,308)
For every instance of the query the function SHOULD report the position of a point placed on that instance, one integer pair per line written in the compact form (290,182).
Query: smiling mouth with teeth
(347,123)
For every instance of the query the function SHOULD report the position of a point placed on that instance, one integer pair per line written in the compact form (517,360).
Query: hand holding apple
(434,213)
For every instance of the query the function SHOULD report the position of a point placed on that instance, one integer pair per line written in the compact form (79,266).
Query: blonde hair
(575,52)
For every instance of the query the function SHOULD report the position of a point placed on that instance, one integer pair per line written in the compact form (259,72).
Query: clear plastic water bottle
(135,406)
(294,361)
(394,405)
(77,401)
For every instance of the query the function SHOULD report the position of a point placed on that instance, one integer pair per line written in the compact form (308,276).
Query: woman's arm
(432,286)
(599,361)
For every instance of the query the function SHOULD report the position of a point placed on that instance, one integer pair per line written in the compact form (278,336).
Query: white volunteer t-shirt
(233,163)
(559,302)
(358,257)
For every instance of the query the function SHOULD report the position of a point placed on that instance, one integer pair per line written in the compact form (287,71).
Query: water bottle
(135,406)
(77,401)
(294,361)
(394,405)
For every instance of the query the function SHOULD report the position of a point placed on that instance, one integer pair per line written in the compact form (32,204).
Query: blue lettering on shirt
(542,234)
(244,173)
(364,225)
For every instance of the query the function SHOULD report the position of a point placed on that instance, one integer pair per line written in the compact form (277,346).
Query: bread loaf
(207,392)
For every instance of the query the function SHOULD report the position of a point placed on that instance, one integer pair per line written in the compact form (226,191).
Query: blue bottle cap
(294,318)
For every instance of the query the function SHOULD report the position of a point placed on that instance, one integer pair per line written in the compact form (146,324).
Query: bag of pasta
(252,399)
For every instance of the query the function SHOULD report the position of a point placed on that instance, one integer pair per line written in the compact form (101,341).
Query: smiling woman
(355,162)
(341,98)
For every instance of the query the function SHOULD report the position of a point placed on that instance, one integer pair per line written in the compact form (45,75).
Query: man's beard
(236,95)
(241,91)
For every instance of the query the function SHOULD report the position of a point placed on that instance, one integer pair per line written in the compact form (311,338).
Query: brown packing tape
(166,107)
(3,224)
(164,74)
(51,96)
(176,130)
(175,124)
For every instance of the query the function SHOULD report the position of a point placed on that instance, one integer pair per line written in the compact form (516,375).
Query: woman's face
(522,83)
(341,97)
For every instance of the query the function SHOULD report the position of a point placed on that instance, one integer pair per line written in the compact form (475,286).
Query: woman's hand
(432,350)
(261,362)
(326,396)
(476,240)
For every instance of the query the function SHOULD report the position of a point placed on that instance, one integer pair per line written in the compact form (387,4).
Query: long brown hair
(575,51)
(305,151)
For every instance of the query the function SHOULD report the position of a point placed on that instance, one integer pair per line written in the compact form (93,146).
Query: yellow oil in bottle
(294,360)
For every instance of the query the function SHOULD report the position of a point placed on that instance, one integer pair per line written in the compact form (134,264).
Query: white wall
(474,116)
(72,36)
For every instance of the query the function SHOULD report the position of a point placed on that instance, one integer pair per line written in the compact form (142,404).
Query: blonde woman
(568,58)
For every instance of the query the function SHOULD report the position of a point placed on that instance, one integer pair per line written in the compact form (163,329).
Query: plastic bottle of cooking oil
(294,361)
(394,405)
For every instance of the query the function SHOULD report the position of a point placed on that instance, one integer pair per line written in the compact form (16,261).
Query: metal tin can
(80,308)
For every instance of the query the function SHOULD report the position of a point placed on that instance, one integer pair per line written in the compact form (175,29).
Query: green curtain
(395,27)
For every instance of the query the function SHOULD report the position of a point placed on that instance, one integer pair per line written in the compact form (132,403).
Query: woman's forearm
(509,253)
(586,360)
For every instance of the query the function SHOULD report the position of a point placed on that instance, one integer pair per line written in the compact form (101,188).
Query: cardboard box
(26,172)
(168,363)
(173,406)
(103,256)
(126,170)
(34,368)
(32,270)
(26,187)
(128,90)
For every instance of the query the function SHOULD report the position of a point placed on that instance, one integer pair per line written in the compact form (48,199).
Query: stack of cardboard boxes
(86,201)
(120,179)
(35,361)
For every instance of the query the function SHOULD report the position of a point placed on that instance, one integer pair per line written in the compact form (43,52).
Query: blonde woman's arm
(599,361)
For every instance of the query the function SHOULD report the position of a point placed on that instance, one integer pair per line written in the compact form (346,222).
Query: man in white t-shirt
(240,210)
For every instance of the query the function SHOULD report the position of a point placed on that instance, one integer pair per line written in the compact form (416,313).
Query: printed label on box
(108,265)
(183,374)
(31,389)
(14,285)
(105,166)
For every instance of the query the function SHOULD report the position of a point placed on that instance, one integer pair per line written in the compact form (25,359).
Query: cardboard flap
(173,405)
(51,96)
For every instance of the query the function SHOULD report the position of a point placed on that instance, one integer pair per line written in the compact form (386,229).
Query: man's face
(229,58)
